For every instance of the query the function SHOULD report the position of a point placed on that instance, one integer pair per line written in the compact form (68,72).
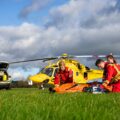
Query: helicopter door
(56,70)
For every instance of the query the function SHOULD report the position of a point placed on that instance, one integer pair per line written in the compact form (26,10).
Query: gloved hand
(107,87)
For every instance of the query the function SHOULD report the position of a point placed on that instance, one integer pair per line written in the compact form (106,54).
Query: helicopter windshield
(47,71)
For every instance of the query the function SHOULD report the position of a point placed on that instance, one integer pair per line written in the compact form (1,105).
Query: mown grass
(33,104)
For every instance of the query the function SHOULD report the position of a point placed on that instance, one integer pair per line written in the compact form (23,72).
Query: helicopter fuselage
(81,73)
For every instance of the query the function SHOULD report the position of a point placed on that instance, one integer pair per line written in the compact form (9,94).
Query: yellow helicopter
(81,73)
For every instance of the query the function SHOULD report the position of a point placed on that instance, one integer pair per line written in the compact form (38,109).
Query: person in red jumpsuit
(64,75)
(110,60)
(112,77)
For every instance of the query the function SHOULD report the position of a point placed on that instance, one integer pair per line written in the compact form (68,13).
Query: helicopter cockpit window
(87,68)
(47,71)
(79,66)
(77,73)
(85,74)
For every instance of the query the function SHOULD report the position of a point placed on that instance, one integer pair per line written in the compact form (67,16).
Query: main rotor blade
(40,59)
(58,57)
(116,56)
(83,56)
(45,60)
(94,56)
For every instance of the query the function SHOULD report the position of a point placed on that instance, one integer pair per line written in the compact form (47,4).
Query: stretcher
(70,88)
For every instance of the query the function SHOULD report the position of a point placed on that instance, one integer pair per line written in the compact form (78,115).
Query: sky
(36,28)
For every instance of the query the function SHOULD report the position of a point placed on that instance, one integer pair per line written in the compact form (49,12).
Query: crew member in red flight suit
(112,76)
(110,60)
(64,75)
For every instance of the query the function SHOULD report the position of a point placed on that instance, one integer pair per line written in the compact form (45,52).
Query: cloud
(17,75)
(29,41)
(74,13)
(34,6)
(21,73)
(77,27)
(114,7)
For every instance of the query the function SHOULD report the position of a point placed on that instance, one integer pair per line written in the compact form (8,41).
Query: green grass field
(34,104)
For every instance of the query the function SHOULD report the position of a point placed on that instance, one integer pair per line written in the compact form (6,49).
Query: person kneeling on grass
(64,75)
(64,81)
(111,80)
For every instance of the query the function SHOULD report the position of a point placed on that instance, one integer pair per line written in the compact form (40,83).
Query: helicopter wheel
(8,87)
(41,86)
(44,84)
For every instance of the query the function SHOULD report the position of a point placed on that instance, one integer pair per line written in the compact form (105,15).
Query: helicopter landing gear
(43,85)
(8,87)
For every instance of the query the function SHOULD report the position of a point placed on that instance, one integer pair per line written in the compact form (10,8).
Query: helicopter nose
(39,78)
(32,78)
